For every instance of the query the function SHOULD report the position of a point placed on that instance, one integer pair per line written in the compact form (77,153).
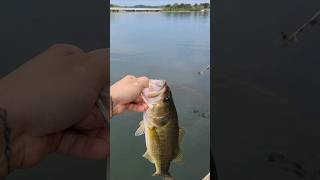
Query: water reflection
(171,46)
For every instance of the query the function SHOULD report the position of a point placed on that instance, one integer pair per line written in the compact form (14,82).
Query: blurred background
(30,27)
(266,95)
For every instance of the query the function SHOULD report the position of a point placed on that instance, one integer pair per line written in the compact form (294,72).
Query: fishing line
(293,37)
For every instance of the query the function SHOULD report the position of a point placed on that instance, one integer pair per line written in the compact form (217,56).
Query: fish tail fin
(166,176)
(156,174)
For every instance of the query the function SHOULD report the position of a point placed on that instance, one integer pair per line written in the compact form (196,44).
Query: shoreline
(158,11)
(186,11)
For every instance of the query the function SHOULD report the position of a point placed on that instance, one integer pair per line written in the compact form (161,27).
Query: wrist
(114,103)
(113,107)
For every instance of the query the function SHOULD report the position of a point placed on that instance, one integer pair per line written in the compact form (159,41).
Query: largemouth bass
(161,128)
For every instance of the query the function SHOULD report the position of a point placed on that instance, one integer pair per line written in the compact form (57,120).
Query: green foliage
(174,7)
(186,7)
(114,5)
(205,5)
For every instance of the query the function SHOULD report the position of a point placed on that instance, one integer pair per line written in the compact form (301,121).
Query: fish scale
(165,151)
(161,128)
(165,156)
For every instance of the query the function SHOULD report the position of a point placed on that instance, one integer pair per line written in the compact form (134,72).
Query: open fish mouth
(155,92)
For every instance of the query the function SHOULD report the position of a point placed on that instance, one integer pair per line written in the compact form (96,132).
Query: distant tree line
(136,6)
(186,7)
(174,7)
(114,5)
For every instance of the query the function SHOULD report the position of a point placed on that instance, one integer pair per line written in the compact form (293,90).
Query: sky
(154,2)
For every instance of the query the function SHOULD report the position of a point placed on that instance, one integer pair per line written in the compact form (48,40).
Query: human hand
(126,94)
(50,103)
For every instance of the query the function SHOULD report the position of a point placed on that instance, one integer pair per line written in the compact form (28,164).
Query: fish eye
(166,99)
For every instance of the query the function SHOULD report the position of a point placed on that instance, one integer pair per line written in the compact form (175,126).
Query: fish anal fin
(140,130)
(179,158)
(147,156)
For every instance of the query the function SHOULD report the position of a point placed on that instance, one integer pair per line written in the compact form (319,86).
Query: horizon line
(157,5)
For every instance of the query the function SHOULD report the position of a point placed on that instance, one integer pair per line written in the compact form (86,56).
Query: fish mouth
(155,92)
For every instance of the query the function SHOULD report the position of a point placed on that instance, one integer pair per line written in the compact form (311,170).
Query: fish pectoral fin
(179,158)
(181,134)
(140,130)
(147,156)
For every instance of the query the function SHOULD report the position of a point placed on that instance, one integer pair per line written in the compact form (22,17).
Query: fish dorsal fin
(140,130)
(147,156)
(181,134)
(179,158)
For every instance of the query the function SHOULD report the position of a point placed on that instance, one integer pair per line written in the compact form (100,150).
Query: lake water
(174,47)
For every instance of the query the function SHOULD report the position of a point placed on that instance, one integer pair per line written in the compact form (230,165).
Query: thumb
(143,82)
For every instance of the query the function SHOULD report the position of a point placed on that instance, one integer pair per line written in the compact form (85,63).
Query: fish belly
(162,146)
